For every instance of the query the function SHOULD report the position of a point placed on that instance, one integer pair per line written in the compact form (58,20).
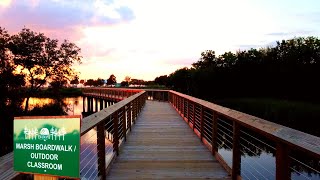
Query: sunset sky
(144,39)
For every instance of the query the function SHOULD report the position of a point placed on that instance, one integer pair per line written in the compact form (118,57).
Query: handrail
(208,120)
(203,117)
(292,137)
(119,116)
(90,121)
(124,114)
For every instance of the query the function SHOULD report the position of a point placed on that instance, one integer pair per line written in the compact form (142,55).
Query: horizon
(145,40)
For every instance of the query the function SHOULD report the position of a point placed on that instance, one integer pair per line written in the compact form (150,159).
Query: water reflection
(70,105)
(13,107)
(59,106)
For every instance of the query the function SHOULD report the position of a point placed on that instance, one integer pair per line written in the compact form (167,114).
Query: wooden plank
(162,146)
(6,167)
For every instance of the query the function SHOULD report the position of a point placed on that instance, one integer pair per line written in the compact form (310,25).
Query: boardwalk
(162,146)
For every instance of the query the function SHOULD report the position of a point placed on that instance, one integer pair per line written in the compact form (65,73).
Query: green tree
(8,79)
(162,80)
(208,58)
(75,80)
(42,59)
(127,79)
(99,82)
(90,82)
(112,80)
(124,84)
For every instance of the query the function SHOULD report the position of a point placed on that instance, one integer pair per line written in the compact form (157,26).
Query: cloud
(145,39)
(5,3)
(61,16)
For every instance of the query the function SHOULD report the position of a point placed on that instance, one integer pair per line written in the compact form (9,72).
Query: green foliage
(112,80)
(91,82)
(8,79)
(43,58)
(35,58)
(288,72)
(75,80)
(162,80)
(124,84)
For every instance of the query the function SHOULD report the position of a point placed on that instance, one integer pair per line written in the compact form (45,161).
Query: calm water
(73,105)
(258,161)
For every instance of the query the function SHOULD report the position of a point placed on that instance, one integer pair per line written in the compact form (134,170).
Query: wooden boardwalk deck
(162,146)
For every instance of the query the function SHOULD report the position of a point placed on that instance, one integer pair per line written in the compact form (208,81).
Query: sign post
(47,146)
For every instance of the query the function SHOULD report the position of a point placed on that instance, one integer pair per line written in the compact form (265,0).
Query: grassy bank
(302,116)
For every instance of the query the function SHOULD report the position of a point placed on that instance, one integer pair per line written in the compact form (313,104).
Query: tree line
(288,70)
(33,59)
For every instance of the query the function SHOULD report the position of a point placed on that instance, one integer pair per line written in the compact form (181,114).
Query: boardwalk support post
(201,123)
(282,162)
(115,136)
(129,115)
(214,133)
(124,123)
(101,150)
(236,155)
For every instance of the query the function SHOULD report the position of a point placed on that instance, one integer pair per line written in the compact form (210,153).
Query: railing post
(129,115)
(88,104)
(115,136)
(96,104)
(187,115)
(182,108)
(91,105)
(124,123)
(214,133)
(134,111)
(101,150)
(83,104)
(201,123)
(193,116)
(179,105)
(282,162)
(236,156)
(101,104)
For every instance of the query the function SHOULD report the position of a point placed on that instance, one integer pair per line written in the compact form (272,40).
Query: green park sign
(47,145)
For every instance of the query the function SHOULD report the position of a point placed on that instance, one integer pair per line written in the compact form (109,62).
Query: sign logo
(44,134)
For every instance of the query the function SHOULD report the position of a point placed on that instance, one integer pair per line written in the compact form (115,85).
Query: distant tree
(124,84)
(99,82)
(75,80)
(42,59)
(82,81)
(137,82)
(180,80)
(90,82)
(58,83)
(112,80)
(162,80)
(127,79)
(207,59)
